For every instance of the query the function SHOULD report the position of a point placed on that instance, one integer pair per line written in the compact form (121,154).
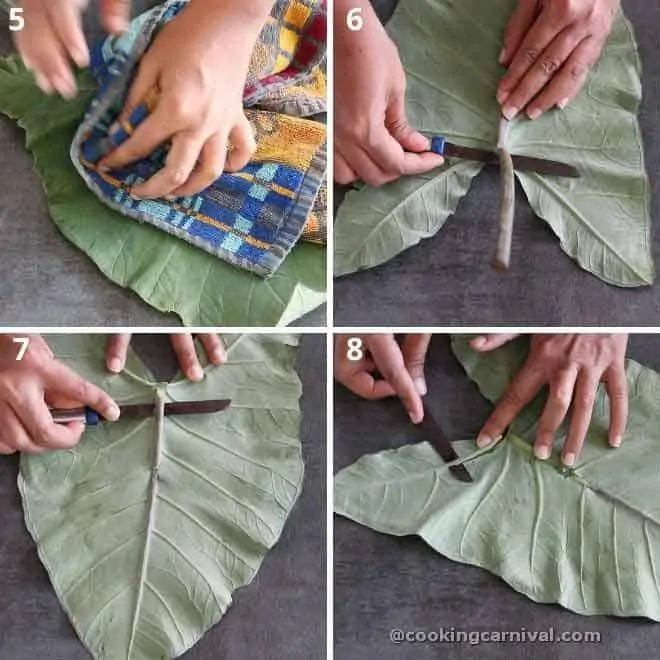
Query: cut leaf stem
(507,202)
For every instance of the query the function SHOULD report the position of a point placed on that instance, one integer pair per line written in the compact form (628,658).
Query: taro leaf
(165,271)
(450,50)
(587,538)
(145,535)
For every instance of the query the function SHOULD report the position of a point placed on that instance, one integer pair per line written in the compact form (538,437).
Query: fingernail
(502,96)
(616,442)
(569,459)
(510,111)
(484,441)
(115,365)
(81,58)
(218,356)
(170,198)
(113,413)
(415,419)
(43,83)
(534,114)
(196,374)
(114,128)
(542,452)
(562,104)
(102,168)
(478,342)
(420,386)
(501,59)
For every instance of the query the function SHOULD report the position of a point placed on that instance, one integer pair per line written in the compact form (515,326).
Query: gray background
(280,615)
(44,279)
(447,279)
(384,582)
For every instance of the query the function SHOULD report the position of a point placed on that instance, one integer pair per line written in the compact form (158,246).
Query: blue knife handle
(92,418)
(438,145)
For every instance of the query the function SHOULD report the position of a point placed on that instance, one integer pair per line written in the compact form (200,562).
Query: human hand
(572,366)
(29,387)
(374,141)
(184,347)
(53,35)
(198,63)
(549,48)
(401,368)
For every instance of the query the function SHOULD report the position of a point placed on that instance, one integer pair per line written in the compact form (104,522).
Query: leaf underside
(146,534)
(602,219)
(166,272)
(588,538)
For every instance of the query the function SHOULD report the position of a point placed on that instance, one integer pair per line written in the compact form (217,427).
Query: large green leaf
(166,272)
(450,50)
(588,538)
(146,534)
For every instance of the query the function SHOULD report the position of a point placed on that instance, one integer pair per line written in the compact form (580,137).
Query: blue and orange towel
(251,218)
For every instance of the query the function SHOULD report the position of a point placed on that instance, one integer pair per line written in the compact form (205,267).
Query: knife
(523,163)
(139,411)
(440,442)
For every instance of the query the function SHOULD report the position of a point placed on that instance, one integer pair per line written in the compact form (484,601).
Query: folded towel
(251,218)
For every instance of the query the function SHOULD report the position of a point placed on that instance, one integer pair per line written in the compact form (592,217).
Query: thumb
(485,343)
(115,15)
(414,349)
(396,122)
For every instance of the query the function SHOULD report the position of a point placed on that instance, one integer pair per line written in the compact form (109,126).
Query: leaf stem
(507,201)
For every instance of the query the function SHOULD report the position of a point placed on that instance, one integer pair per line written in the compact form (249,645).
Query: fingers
(616,386)
(149,135)
(211,163)
(365,385)
(66,20)
(564,87)
(388,358)
(399,127)
(61,381)
(214,348)
(184,347)
(179,165)
(14,436)
(583,405)
(243,145)
(518,26)
(37,421)
(115,15)
(521,391)
(555,411)
(116,351)
(486,343)
(414,349)
(144,81)
(343,174)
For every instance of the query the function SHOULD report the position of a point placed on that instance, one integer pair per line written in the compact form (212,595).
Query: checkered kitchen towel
(251,218)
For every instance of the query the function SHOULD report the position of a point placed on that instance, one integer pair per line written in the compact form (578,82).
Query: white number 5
(16,20)
(24,342)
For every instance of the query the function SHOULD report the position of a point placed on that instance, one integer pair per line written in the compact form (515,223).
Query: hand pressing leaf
(450,52)
(165,271)
(587,538)
(145,530)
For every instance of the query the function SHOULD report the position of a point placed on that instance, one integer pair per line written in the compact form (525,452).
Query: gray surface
(447,279)
(280,615)
(45,280)
(384,582)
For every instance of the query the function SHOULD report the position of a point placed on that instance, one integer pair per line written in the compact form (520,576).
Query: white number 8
(355,352)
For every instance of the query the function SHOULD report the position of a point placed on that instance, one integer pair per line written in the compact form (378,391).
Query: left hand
(184,347)
(572,366)
(549,48)
(198,63)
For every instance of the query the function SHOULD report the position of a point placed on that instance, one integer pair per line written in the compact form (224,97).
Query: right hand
(374,142)
(28,388)
(53,35)
(401,369)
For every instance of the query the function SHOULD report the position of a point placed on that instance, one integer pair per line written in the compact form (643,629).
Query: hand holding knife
(139,411)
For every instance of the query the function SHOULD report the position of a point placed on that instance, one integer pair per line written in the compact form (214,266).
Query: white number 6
(354,20)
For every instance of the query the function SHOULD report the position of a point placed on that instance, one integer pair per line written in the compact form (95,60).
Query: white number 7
(24,342)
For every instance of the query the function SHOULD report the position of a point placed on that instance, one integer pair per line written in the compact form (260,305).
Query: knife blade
(522,163)
(435,435)
(140,411)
